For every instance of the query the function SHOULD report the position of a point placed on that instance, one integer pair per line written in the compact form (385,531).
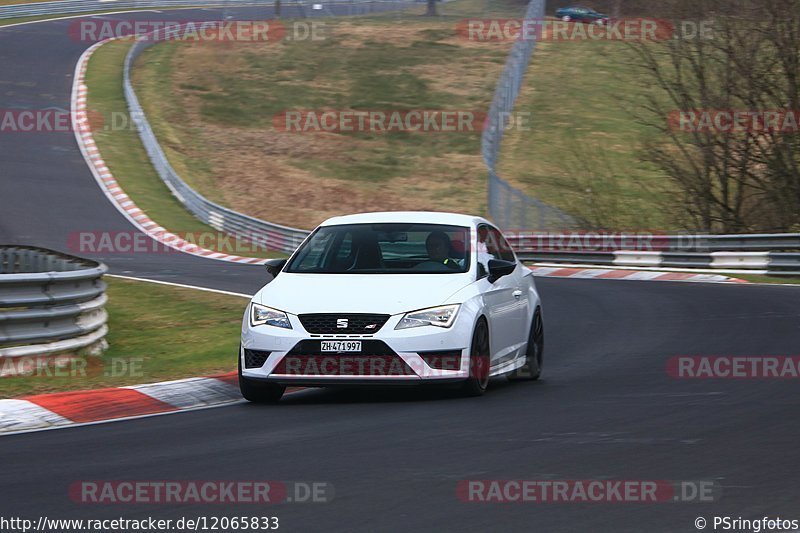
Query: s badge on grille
(341,323)
(371,326)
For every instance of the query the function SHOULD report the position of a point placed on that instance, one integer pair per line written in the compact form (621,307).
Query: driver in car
(438,246)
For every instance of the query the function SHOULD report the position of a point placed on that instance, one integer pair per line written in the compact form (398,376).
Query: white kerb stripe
(190,393)
(589,273)
(709,277)
(544,271)
(18,415)
(645,275)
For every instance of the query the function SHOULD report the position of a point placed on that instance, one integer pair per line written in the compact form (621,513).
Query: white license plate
(341,346)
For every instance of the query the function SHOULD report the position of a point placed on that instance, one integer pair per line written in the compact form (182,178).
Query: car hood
(350,293)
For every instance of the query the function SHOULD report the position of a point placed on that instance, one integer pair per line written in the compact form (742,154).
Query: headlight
(442,316)
(261,314)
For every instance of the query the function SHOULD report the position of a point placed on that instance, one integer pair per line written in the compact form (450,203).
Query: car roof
(420,217)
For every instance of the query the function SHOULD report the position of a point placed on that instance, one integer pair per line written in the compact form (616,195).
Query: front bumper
(406,356)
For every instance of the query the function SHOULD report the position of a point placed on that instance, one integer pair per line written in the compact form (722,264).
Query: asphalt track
(607,408)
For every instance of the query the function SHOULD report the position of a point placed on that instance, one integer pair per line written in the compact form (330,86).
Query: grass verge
(780,280)
(213,107)
(582,153)
(188,333)
(125,156)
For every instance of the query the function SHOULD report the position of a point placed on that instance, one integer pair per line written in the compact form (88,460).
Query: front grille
(374,359)
(330,323)
(255,358)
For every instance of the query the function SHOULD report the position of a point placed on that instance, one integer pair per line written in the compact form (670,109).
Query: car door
(501,299)
(521,295)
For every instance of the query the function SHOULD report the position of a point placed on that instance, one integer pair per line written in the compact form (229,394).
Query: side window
(314,254)
(495,244)
(486,251)
(506,253)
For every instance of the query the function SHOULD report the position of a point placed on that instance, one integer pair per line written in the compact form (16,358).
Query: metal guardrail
(775,254)
(770,263)
(570,242)
(49,302)
(754,242)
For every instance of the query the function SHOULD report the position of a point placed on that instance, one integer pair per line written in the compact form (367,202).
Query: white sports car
(396,297)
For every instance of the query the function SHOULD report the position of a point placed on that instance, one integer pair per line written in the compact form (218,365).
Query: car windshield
(384,249)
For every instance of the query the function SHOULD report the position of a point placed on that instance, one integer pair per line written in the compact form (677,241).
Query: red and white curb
(47,411)
(110,186)
(63,409)
(631,275)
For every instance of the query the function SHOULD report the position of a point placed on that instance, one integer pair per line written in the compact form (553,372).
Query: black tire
(534,358)
(257,391)
(479,361)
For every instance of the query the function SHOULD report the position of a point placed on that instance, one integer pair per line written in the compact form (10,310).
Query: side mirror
(274,266)
(499,268)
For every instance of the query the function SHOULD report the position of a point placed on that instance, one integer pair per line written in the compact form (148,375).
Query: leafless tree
(740,181)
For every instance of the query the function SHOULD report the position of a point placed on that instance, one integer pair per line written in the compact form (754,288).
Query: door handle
(517,294)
